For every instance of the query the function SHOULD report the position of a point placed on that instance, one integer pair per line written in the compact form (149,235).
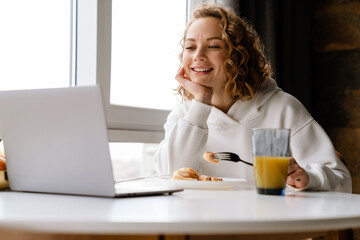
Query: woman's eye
(190,48)
(214,46)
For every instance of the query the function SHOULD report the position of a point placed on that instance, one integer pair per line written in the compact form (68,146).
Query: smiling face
(204,54)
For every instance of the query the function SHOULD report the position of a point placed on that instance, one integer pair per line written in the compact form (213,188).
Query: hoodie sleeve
(310,145)
(186,133)
(314,151)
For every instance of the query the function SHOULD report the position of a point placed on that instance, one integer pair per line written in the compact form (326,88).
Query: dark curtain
(285,27)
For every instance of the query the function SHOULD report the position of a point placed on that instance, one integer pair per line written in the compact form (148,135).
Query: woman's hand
(297,177)
(201,93)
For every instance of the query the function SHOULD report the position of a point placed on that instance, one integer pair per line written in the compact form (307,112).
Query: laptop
(56,141)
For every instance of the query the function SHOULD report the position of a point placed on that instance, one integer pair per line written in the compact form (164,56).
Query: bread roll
(204,178)
(185,174)
(217,179)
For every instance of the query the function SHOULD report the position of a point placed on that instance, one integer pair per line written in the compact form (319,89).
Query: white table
(188,213)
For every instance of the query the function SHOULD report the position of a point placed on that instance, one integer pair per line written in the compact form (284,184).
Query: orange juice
(270,174)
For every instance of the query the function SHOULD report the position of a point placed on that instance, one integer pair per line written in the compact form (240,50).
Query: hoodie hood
(244,111)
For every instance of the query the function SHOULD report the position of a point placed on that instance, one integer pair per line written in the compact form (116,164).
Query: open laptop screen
(56,142)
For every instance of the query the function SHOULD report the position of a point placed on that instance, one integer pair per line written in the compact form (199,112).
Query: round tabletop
(188,212)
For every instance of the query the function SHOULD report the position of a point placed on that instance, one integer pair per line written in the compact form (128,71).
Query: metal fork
(229,156)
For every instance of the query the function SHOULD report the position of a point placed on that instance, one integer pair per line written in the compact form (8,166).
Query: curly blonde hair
(246,65)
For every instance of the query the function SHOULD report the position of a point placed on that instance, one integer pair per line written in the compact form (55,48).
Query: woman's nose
(199,55)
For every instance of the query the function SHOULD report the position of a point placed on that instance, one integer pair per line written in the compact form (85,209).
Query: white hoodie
(193,127)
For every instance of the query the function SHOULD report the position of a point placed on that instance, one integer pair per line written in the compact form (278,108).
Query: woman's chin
(202,82)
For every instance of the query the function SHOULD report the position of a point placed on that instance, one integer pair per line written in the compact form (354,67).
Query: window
(132,159)
(134,128)
(94,47)
(35,45)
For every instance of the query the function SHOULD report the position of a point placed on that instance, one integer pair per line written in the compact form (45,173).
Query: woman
(225,81)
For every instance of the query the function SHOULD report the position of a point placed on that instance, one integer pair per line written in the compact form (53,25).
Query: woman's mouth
(202,69)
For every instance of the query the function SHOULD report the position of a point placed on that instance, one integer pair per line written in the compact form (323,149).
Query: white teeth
(202,69)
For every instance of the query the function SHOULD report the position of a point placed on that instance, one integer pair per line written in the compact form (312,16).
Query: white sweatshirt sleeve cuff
(198,113)
(315,179)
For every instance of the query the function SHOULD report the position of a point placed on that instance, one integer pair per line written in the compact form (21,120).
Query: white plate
(226,183)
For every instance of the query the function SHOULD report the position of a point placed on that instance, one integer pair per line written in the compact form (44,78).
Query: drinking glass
(271,154)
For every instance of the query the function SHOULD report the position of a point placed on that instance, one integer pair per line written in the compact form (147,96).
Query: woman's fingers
(292,166)
(201,93)
(298,179)
(180,74)
(297,176)
(183,80)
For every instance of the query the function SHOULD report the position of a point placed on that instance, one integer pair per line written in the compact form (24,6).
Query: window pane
(35,43)
(132,159)
(145,47)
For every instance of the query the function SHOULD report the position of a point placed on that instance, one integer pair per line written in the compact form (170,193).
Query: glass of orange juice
(271,153)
